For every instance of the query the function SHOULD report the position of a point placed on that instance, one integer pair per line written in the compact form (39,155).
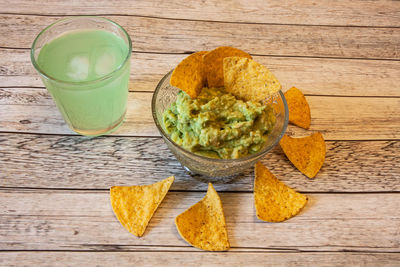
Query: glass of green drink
(84,63)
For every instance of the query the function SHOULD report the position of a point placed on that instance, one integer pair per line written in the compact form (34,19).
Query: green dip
(218,125)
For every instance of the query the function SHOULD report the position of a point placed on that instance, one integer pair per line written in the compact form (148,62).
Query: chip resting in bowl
(213,62)
(299,110)
(275,201)
(248,79)
(135,205)
(307,153)
(203,225)
(189,75)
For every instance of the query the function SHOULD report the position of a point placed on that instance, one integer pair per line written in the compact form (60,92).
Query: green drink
(86,70)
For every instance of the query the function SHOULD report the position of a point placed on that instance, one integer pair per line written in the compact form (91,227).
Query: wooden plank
(146,69)
(161,35)
(377,118)
(199,259)
(36,160)
(83,220)
(313,75)
(375,13)
(45,118)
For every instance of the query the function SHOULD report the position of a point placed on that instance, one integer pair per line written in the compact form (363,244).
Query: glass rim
(242,159)
(102,78)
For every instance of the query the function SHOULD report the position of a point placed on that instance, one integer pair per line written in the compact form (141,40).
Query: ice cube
(105,63)
(78,68)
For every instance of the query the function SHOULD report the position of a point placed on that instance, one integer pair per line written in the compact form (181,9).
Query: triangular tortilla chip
(135,205)
(307,154)
(203,225)
(213,62)
(275,201)
(189,75)
(299,110)
(249,80)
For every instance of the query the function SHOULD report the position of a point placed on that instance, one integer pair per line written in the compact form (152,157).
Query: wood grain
(375,13)
(83,220)
(313,75)
(231,258)
(36,160)
(377,118)
(160,35)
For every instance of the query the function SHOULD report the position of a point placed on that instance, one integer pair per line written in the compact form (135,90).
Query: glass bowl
(165,94)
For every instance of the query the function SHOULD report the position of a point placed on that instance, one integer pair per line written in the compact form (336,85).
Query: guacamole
(218,125)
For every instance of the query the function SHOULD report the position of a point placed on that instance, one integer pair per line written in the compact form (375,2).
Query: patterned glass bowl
(165,94)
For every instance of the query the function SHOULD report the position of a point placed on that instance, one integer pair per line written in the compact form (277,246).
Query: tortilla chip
(189,75)
(135,205)
(275,201)
(249,80)
(213,62)
(299,110)
(307,153)
(203,225)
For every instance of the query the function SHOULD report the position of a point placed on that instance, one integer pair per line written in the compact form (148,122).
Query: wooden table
(344,55)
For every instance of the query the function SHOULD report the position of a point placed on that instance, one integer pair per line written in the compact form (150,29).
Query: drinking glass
(90,107)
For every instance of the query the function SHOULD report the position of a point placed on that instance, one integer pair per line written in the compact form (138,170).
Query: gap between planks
(186,249)
(72,134)
(203,20)
(151,92)
(252,54)
(24,189)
